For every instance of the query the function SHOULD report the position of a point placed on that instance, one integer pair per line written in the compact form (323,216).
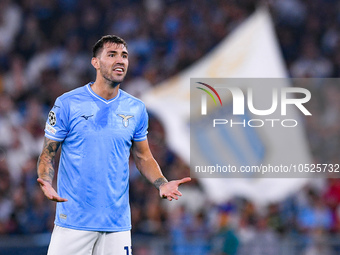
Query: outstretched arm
(46,169)
(148,166)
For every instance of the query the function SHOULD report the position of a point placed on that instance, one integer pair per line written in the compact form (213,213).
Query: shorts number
(126,248)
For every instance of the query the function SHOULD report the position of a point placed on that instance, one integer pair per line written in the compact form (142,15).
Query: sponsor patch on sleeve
(50,129)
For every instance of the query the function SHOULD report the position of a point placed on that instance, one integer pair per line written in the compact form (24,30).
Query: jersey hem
(93,229)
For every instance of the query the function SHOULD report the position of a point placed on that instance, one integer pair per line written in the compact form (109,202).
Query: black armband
(159,182)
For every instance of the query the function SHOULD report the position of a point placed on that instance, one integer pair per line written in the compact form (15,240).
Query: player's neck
(105,90)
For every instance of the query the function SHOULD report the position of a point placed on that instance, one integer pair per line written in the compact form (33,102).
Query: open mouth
(118,69)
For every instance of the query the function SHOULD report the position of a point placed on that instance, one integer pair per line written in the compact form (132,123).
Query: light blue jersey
(96,136)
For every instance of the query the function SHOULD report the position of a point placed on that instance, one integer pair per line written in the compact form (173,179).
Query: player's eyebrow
(114,51)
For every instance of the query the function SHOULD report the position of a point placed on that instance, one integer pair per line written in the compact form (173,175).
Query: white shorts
(66,241)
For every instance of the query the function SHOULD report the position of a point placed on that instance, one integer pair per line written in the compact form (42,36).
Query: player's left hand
(170,190)
(49,192)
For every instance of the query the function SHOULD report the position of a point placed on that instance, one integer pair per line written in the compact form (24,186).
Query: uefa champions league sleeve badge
(52,118)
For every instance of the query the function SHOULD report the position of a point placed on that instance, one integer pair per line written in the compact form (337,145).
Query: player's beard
(108,75)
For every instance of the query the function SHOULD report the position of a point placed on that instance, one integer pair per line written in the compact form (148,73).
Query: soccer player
(96,125)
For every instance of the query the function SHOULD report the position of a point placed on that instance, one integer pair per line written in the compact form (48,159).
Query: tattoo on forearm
(159,182)
(46,160)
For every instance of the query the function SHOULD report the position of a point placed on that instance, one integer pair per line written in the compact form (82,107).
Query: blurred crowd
(45,50)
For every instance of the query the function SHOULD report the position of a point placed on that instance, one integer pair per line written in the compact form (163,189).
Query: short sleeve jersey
(96,136)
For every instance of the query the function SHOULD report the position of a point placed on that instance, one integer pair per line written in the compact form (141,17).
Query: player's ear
(94,62)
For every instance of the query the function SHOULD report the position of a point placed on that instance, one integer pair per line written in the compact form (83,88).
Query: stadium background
(45,51)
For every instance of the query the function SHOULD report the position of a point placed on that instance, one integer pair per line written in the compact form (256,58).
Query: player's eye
(125,56)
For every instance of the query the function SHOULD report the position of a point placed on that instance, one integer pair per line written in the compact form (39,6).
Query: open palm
(49,191)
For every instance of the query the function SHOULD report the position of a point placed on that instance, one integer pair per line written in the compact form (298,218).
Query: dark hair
(106,39)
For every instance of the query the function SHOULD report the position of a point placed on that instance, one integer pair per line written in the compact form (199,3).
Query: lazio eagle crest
(125,119)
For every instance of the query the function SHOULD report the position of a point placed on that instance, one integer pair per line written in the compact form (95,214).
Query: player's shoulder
(131,98)
(73,94)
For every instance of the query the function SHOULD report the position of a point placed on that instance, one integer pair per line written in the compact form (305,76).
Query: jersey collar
(88,86)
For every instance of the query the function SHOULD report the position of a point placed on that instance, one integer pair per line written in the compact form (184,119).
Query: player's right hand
(49,191)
